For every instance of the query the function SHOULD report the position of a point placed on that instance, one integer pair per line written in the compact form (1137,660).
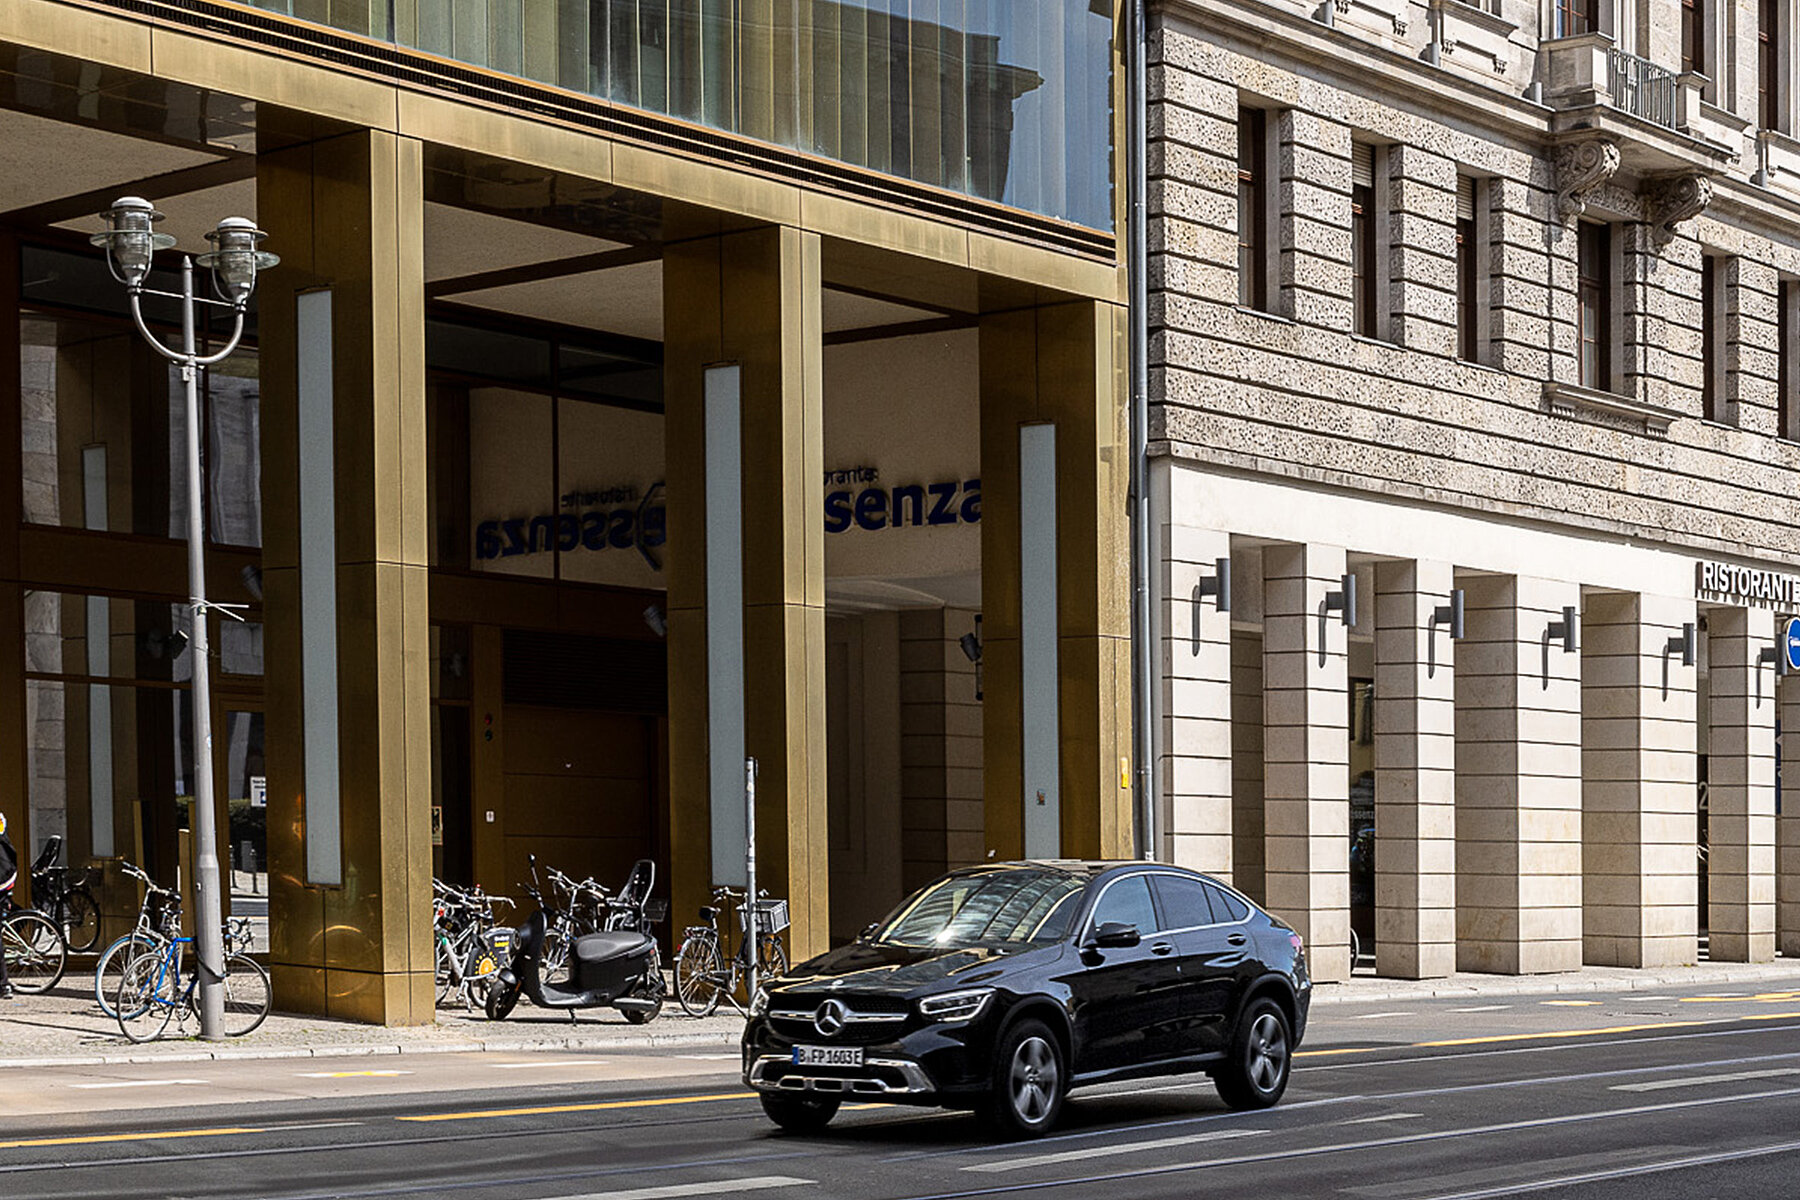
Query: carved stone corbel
(1672,199)
(1582,168)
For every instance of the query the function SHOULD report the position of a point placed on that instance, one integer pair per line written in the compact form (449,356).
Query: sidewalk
(67,1028)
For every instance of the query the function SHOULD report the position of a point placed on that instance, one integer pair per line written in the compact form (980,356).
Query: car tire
(1031,1078)
(1261,1060)
(801,1114)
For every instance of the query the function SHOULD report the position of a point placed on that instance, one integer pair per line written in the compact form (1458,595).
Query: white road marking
(139,1083)
(710,1057)
(1382,1117)
(1045,1160)
(349,1074)
(1484,1008)
(1648,998)
(1657,1085)
(1379,1016)
(316,1125)
(710,1187)
(1572,1003)
(573,1062)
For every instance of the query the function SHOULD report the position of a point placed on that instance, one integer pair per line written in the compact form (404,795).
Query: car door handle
(1236,939)
(1162,948)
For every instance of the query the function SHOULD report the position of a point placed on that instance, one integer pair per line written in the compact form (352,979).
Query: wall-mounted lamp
(1218,586)
(1772,655)
(971,648)
(1685,643)
(659,624)
(1567,630)
(1450,614)
(1344,599)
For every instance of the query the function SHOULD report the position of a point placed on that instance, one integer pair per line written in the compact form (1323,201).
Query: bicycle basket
(655,910)
(771,916)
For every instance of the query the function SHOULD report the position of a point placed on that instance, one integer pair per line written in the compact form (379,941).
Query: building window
(1594,268)
(1364,239)
(1769,92)
(1787,310)
(1576,17)
(1253,240)
(1712,333)
(1693,35)
(1468,273)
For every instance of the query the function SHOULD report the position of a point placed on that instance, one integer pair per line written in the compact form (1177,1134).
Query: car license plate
(828,1056)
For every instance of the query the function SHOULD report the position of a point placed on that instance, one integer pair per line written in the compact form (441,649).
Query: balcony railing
(1641,88)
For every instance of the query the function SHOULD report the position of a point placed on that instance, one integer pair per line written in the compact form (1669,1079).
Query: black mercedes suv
(1002,986)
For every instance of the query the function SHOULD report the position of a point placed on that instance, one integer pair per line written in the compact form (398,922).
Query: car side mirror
(868,931)
(1114,935)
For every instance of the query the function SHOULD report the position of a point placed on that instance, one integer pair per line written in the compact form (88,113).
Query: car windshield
(1001,908)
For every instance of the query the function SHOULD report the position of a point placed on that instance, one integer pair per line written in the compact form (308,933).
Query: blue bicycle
(153,989)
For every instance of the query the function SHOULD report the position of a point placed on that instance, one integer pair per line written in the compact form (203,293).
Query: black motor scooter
(618,968)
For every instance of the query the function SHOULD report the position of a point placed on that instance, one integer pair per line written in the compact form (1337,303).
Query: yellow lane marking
(573,1108)
(1764,997)
(125,1137)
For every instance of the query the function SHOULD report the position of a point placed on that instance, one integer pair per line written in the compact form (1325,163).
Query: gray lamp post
(131,241)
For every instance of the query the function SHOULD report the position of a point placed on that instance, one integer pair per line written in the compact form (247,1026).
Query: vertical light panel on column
(1038,640)
(99,648)
(725,620)
(318,590)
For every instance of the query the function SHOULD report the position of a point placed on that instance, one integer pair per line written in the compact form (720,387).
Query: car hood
(873,967)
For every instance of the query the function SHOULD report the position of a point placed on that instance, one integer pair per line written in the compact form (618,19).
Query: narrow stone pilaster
(1787,825)
(1520,283)
(1642,368)
(1740,876)
(1195,766)
(1415,772)
(1306,753)
(1518,781)
(1313,170)
(1752,346)
(1637,784)
(1421,214)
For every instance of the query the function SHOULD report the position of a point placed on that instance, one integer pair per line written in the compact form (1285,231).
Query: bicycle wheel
(771,957)
(446,969)
(146,997)
(698,972)
(553,962)
(81,921)
(247,995)
(111,968)
(36,954)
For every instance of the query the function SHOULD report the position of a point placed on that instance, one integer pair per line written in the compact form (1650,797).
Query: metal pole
(209,943)
(752,923)
(1147,814)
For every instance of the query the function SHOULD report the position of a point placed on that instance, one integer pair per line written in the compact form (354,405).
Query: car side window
(1128,901)
(1228,906)
(1185,902)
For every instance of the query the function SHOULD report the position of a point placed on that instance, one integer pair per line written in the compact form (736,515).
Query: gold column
(15,746)
(752,298)
(346,214)
(1064,364)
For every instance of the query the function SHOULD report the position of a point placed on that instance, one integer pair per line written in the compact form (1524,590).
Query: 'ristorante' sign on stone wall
(1746,585)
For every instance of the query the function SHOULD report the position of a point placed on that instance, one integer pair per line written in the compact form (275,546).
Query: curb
(613,1044)
(1551,984)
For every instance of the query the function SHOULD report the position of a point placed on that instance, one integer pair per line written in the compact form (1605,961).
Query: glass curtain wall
(998,99)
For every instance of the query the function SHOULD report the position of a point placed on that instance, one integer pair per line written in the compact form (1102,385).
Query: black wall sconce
(1450,614)
(1344,599)
(1567,630)
(1218,587)
(1685,643)
(970,644)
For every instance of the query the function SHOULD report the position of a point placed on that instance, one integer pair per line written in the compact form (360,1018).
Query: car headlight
(759,1003)
(955,1006)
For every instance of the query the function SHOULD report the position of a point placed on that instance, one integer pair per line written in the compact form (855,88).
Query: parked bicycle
(36,954)
(65,898)
(158,922)
(703,974)
(470,949)
(154,989)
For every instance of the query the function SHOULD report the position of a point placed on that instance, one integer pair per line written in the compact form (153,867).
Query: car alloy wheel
(1261,1060)
(1030,1083)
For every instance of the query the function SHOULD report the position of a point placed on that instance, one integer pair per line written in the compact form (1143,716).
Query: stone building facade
(1473,427)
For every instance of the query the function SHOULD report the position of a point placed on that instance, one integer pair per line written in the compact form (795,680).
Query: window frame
(1594,293)
(1253,168)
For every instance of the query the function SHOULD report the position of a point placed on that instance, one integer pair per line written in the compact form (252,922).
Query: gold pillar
(752,298)
(1063,364)
(15,743)
(346,213)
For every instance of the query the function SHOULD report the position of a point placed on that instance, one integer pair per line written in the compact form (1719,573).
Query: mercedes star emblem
(830,1018)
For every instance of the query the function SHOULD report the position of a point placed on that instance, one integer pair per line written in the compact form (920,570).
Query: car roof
(1081,868)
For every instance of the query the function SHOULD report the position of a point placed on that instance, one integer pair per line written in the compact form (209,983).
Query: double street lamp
(131,242)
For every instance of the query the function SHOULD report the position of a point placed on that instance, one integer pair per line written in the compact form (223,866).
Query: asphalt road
(1591,1097)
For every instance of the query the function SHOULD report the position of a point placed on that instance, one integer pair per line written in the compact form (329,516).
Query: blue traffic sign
(1790,643)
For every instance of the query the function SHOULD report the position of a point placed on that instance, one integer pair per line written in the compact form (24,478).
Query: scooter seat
(602,947)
